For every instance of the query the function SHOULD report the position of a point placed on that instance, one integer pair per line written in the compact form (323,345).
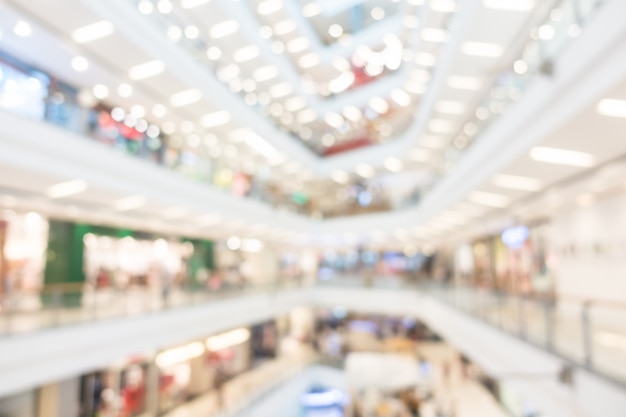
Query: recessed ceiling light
(22,29)
(298,44)
(612,107)
(335,30)
(482,49)
(489,199)
(393,164)
(450,107)
(159,110)
(309,60)
(145,7)
(415,87)
(295,103)
(420,155)
(426,59)
(186,97)
(342,82)
(246,53)
(280,90)
(352,113)
(192,32)
(510,5)
(562,157)
(334,120)
(444,6)
(175,212)
(223,29)
(379,105)
(215,119)
(307,116)
(464,83)
(401,97)
(284,27)
(433,142)
(262,147)
(268,7)
(434,35)
(130,203)
(210,219)
(93,31)
(340,177)
(146,70)
(165,6)
(328,140)
(265,73)
(378,13)
(190,4)
(80,64)
(311,9)
(66,189)
(517,183)
(100,91)
(125,90)
(138,111)
(365,170)
(341,64)
(441,126)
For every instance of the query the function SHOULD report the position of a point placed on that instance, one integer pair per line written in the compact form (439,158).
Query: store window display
(125,262)
(22,89)
(116,392)
(23,242)
(118,130)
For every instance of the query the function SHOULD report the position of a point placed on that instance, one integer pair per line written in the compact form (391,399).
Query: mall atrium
(307,208)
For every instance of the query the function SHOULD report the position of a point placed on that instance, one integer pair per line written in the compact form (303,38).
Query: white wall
(587,272)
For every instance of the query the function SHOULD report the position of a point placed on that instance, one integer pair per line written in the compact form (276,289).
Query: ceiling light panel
(246,53)
(146,70)
(444,6)
(295,103)
(93,31)
(612,108)
(218,118)
(267,7)
(393,164)
(309,60)
(515,182)
(434,35)
(191,4)
(265,73)
(284,27)
(562,157)
(510,5)
(298,45)
(365,170)
(66,189)
(450,107)
(130,203)
(223,29)
(489,199)
(482,49)
(280,90)
(464,83)
(185,98)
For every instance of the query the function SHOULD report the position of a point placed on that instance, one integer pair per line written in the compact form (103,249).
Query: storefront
(188,371)
(125,132)
(23,241)
(119,391)
(127,261)
(23,90)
